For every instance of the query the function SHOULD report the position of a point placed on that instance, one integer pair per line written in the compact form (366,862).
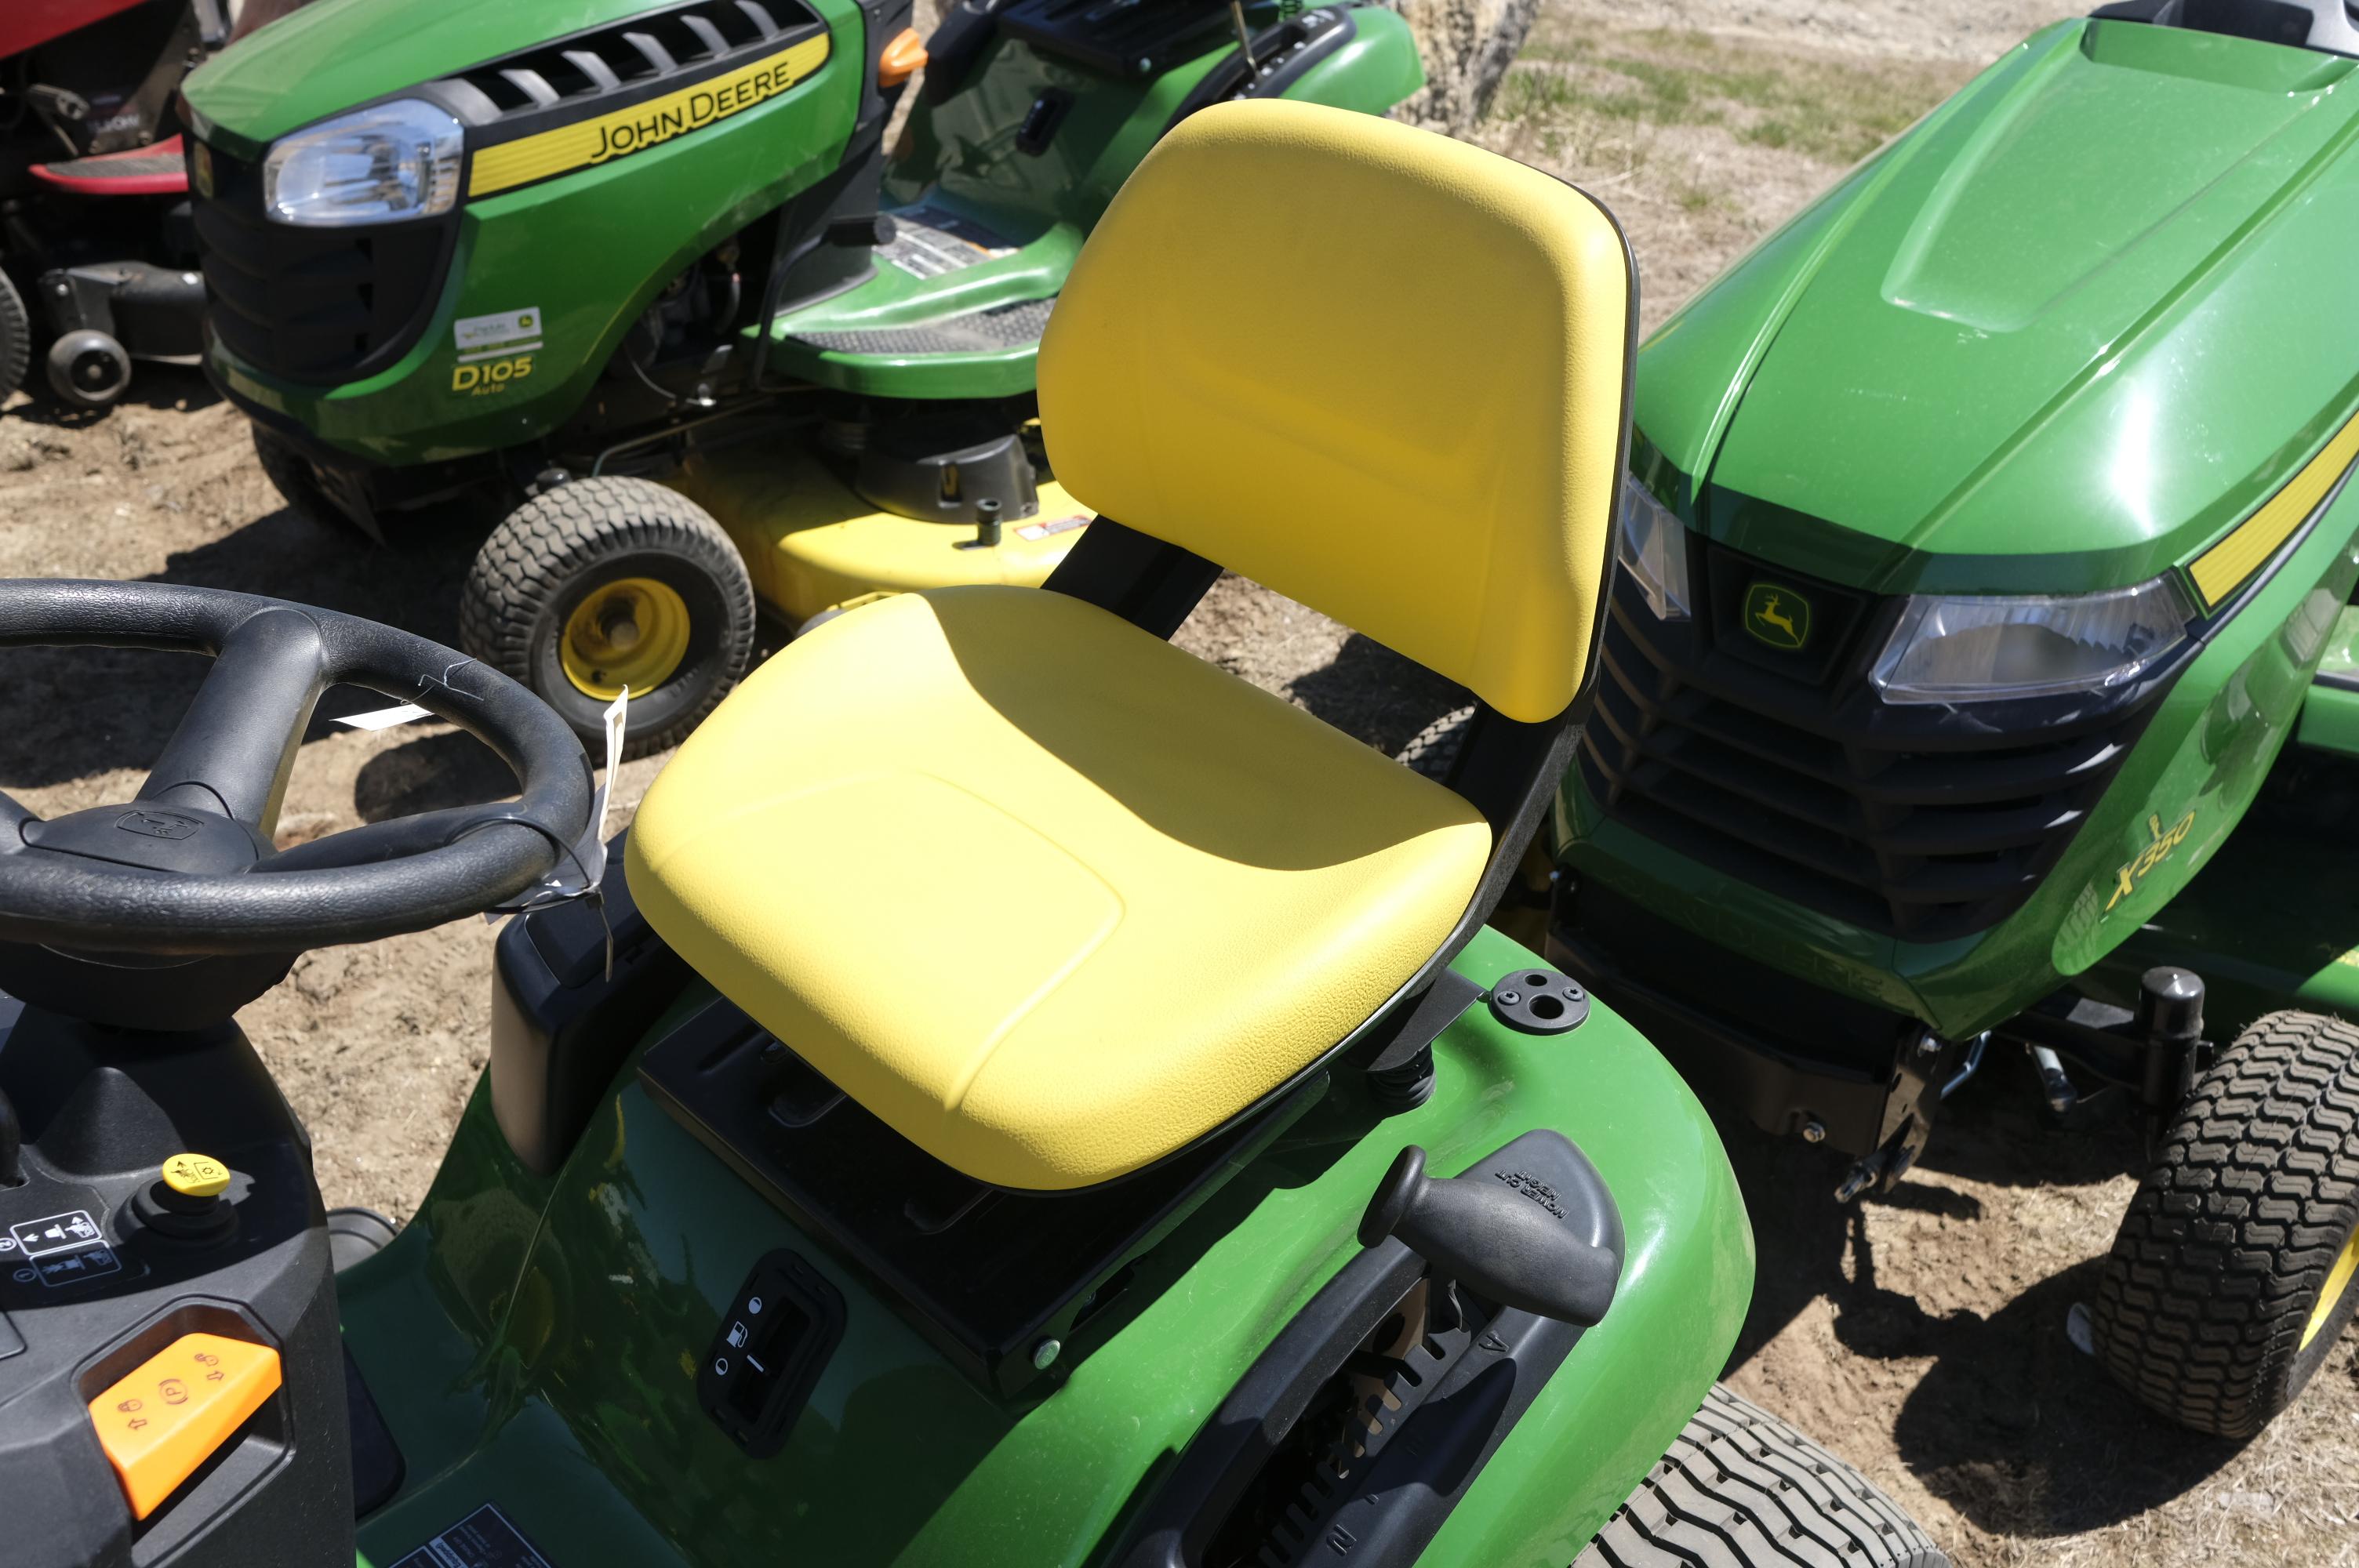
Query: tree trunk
(1468,46)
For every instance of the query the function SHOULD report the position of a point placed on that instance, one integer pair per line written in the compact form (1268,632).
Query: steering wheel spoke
(236,744)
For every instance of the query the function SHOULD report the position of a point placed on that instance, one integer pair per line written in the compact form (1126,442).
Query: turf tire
(15,336)
(551,552)
(1741,1489)
(2230,1239)
(1433,751)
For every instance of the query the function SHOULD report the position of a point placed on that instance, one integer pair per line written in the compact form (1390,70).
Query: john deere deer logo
(1776,616)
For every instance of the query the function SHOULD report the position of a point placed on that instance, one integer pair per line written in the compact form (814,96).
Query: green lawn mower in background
(1983,667)
(548,255)
(1244,1202)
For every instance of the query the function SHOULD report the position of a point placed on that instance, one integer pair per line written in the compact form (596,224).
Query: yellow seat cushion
(1050,896)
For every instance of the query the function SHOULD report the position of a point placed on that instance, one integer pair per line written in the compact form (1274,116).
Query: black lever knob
(1498,1238)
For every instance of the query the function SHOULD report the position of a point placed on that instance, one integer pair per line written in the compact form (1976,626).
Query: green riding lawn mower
(1258,1206)
(1983,670)
(647,279)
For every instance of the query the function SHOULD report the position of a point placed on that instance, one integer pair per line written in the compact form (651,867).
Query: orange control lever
(902,58)
(166,1418)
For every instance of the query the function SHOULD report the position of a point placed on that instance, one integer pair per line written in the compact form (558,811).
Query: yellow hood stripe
(648,124)
(2221,570)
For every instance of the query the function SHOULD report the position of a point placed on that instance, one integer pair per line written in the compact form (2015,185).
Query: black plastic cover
(563,1022)
(1394,1496)
(102,1110)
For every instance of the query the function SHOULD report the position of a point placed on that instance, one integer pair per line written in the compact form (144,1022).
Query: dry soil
(1921,1333)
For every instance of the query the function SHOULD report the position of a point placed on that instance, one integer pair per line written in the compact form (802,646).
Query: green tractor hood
(2057,337)
(334,54)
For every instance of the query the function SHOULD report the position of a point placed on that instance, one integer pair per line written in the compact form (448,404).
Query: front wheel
(15,338)
(1741,1489)
(607,583)
(2230,1277)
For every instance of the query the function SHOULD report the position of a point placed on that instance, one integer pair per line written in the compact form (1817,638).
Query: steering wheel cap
(172,910)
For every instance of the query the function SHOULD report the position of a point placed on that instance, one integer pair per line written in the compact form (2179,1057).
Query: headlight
(1977,649)
(373,165)
(1653,548)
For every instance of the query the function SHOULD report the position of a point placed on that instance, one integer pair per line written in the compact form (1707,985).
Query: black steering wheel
(188,869)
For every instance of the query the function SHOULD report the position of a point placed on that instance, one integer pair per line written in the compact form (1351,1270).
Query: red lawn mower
(97,253)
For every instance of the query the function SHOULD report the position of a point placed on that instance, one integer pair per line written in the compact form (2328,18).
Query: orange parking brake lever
(902,58)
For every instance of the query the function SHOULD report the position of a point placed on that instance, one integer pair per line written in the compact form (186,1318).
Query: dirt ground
(1921,1335)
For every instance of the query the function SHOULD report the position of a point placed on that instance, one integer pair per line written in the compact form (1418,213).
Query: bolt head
(1815,1131)
(1044,1355)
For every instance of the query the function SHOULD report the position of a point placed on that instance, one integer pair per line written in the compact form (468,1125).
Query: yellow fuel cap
(195,1176)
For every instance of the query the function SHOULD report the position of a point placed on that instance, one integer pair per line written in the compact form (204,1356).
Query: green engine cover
(534,1343)
(571,255)
(2067,333)
(569,240)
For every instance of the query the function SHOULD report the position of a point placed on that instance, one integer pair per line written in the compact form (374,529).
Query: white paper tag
(618,713)
(385,718)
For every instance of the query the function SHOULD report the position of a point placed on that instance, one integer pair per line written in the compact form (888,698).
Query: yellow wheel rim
(2338,1280)
(631,632)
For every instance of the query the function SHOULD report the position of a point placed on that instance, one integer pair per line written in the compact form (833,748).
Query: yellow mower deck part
(631,632)
(812,543)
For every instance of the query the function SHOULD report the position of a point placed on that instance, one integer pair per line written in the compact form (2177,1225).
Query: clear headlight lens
(374,166)
(1653,549)
(1971,649)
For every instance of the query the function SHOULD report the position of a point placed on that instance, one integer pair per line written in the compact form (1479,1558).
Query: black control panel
(104,1269)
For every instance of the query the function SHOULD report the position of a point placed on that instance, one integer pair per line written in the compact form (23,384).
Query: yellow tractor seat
(1047,896)
(1054,899)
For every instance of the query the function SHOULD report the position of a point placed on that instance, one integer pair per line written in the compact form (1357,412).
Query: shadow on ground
(76,712)
(1376,695)
(2010,1424)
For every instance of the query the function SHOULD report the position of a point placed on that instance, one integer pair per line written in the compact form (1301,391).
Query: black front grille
(1925,823)
(314,305)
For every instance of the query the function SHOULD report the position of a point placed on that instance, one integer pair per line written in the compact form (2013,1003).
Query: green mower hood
(2015,352)
(334,54)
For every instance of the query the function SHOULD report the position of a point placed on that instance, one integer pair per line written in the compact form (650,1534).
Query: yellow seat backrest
(1379,371)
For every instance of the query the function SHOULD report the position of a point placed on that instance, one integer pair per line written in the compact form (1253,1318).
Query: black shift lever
(1500,1237)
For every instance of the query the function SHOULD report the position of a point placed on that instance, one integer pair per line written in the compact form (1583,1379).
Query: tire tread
(2248,1201)
(1741,1488)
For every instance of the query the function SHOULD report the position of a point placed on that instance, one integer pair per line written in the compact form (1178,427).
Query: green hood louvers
(333,55)
(2059,337)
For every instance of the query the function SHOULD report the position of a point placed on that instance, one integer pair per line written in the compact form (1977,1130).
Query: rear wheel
(1741,1489)
(607,583)
(2232,1278)
(15,336)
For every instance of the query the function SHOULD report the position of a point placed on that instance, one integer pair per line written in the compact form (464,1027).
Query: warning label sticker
(510,331)
(57,1250)
(484,1539)
(1036,532)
